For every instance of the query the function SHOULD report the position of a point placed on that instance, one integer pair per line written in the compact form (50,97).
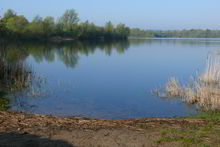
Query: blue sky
(145,14)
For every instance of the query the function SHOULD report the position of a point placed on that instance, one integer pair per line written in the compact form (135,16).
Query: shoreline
(46,130)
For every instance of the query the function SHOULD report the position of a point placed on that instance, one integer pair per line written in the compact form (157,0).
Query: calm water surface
(112,80)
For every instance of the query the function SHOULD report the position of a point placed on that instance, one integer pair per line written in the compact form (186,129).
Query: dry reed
(204,90)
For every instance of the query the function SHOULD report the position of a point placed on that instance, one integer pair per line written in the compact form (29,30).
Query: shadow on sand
(27,140)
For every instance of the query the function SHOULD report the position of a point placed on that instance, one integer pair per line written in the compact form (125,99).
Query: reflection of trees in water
(15,74)
(19,80)
(181,41)
(67,56)
(68,53)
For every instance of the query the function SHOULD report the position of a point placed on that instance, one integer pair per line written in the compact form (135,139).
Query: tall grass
(14,76)
(203,90)
(19,78)
(212,70)
(173,87)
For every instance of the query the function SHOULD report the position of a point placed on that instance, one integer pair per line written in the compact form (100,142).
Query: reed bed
(15,76)
(203,90)
(19,78)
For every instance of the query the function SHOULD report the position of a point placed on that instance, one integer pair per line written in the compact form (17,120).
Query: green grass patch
(209,115)
(193,135)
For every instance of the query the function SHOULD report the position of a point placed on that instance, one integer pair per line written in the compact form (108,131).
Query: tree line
(192,33)
(68,26)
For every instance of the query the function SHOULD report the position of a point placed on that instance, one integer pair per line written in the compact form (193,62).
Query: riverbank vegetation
(203,90)
(15,75)
(191,33)
(67,27)
(4,102)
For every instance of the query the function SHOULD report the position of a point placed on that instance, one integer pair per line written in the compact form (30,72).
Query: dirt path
(19,129)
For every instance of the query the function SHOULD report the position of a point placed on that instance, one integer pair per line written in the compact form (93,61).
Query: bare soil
(19,129)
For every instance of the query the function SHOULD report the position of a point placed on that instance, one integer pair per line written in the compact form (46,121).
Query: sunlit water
(112,80)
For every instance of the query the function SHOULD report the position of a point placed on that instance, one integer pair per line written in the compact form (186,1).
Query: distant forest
(69,27)
(193,33)
(66,27)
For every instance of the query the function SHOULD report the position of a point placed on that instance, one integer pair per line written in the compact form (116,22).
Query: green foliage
(109,27)
(136,32)
(175,33)
(48,25)
(17,24)
(3,29)
(3,101)
(35,29)
(4,104)
(69,20)
(37,19)
(9,14)
(66,28)
(89,31)
(69,17)
(122,30)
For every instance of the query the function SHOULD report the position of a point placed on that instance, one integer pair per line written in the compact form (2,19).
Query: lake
(109,80)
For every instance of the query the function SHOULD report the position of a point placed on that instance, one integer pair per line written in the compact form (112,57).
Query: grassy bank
(203,91)
(201,135)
